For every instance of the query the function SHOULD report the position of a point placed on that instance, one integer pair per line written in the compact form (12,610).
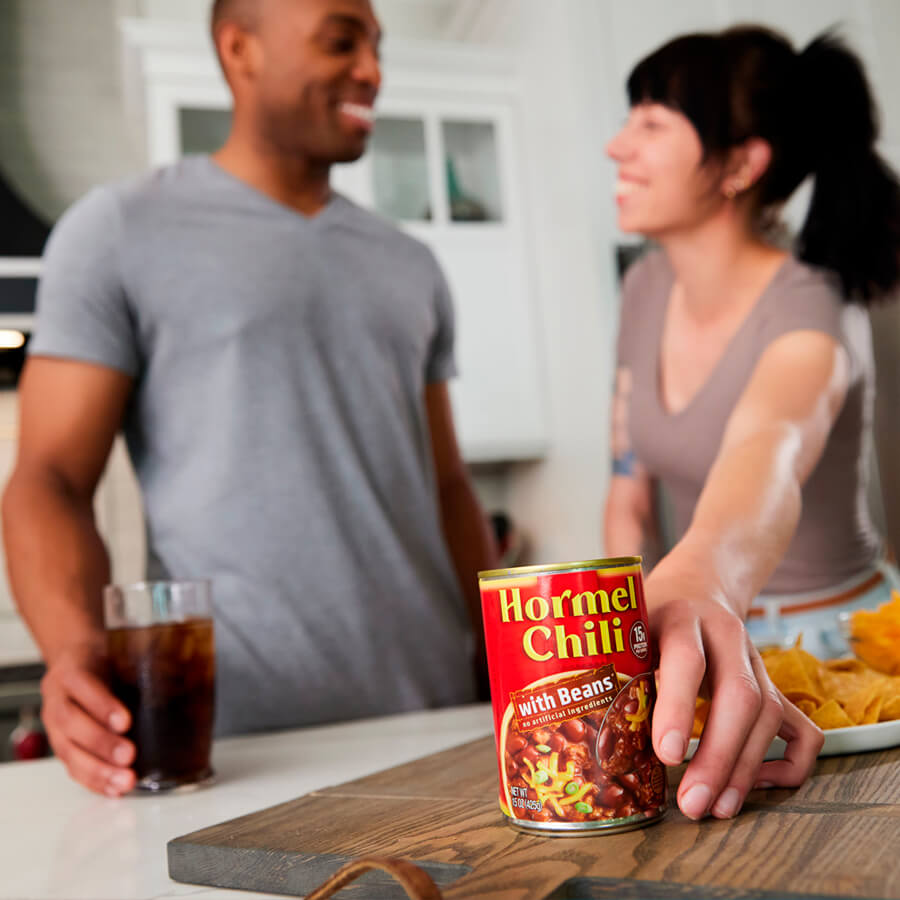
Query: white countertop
(57,840)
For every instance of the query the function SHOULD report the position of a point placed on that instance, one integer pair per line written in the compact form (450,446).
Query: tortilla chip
(798,697)
(873,710)
(847,664)
(830,715)
(701,711)
(858,707)
(788,671)
(891,688)
(807,707)
(875,635)
(813,668)
(843,686)
(890,709)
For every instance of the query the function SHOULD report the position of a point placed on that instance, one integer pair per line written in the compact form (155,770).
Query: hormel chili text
(572,684)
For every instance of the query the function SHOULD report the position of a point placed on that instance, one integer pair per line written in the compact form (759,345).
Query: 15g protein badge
(571,668)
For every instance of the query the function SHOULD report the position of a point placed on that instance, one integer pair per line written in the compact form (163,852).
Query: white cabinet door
(498,397)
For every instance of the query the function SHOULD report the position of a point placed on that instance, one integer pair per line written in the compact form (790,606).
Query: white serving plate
(839,741)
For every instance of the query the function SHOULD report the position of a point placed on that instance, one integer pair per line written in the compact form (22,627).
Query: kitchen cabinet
(444,163)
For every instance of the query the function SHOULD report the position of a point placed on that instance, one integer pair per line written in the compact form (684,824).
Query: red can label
(572,684)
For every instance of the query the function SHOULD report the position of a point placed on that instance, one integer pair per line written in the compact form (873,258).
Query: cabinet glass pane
(203,130)
(473,180)
(400,169)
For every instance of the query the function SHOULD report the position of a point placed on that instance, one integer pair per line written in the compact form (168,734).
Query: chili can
(572,683)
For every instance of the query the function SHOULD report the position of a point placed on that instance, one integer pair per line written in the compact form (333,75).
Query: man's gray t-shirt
(278,430)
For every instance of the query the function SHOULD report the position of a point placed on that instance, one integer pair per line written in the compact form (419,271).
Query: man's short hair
(242,11)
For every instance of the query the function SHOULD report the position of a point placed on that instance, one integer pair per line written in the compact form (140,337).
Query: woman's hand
(703,643)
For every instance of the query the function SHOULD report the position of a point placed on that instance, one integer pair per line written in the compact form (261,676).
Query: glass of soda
(159,637)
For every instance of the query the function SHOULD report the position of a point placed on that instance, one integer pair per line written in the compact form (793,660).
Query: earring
(733,188)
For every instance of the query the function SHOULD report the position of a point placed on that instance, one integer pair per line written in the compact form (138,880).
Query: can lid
(614,563)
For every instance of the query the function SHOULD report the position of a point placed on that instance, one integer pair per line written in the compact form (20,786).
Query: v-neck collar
(727,352)
(261,198)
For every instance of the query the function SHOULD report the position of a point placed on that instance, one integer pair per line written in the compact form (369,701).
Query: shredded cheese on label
(553,790)
(643,709)
(550,785)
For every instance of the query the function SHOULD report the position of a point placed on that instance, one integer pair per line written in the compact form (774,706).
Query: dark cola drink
(165,675)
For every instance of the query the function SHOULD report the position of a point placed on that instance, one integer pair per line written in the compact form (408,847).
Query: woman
(745,378)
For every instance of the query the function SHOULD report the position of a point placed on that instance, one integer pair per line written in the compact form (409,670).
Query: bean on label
(597,767)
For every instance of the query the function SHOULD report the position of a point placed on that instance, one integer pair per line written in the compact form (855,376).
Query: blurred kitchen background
(489,146)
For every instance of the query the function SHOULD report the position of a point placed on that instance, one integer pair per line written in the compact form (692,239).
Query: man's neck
(297,183)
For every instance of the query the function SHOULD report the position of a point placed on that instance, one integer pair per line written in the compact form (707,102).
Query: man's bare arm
(69,414)
(465,526)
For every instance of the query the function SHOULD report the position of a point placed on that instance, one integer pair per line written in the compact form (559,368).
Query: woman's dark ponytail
(816,111)
(853,223)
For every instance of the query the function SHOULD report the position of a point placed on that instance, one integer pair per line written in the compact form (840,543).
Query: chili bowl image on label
(573,689)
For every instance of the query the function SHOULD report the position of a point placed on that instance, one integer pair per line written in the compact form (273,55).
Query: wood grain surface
(834,837)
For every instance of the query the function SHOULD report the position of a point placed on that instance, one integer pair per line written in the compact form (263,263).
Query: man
(278,359)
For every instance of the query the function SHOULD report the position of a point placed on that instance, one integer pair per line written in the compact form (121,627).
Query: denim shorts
(782,618)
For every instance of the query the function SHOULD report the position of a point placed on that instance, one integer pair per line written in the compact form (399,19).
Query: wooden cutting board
(835,836)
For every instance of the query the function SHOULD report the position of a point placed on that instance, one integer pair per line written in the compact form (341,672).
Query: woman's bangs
(690,76)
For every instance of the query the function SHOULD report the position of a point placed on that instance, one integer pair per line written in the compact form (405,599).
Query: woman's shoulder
(801,293)
(645,289)
(647,279)
(820,285)
(808,298)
